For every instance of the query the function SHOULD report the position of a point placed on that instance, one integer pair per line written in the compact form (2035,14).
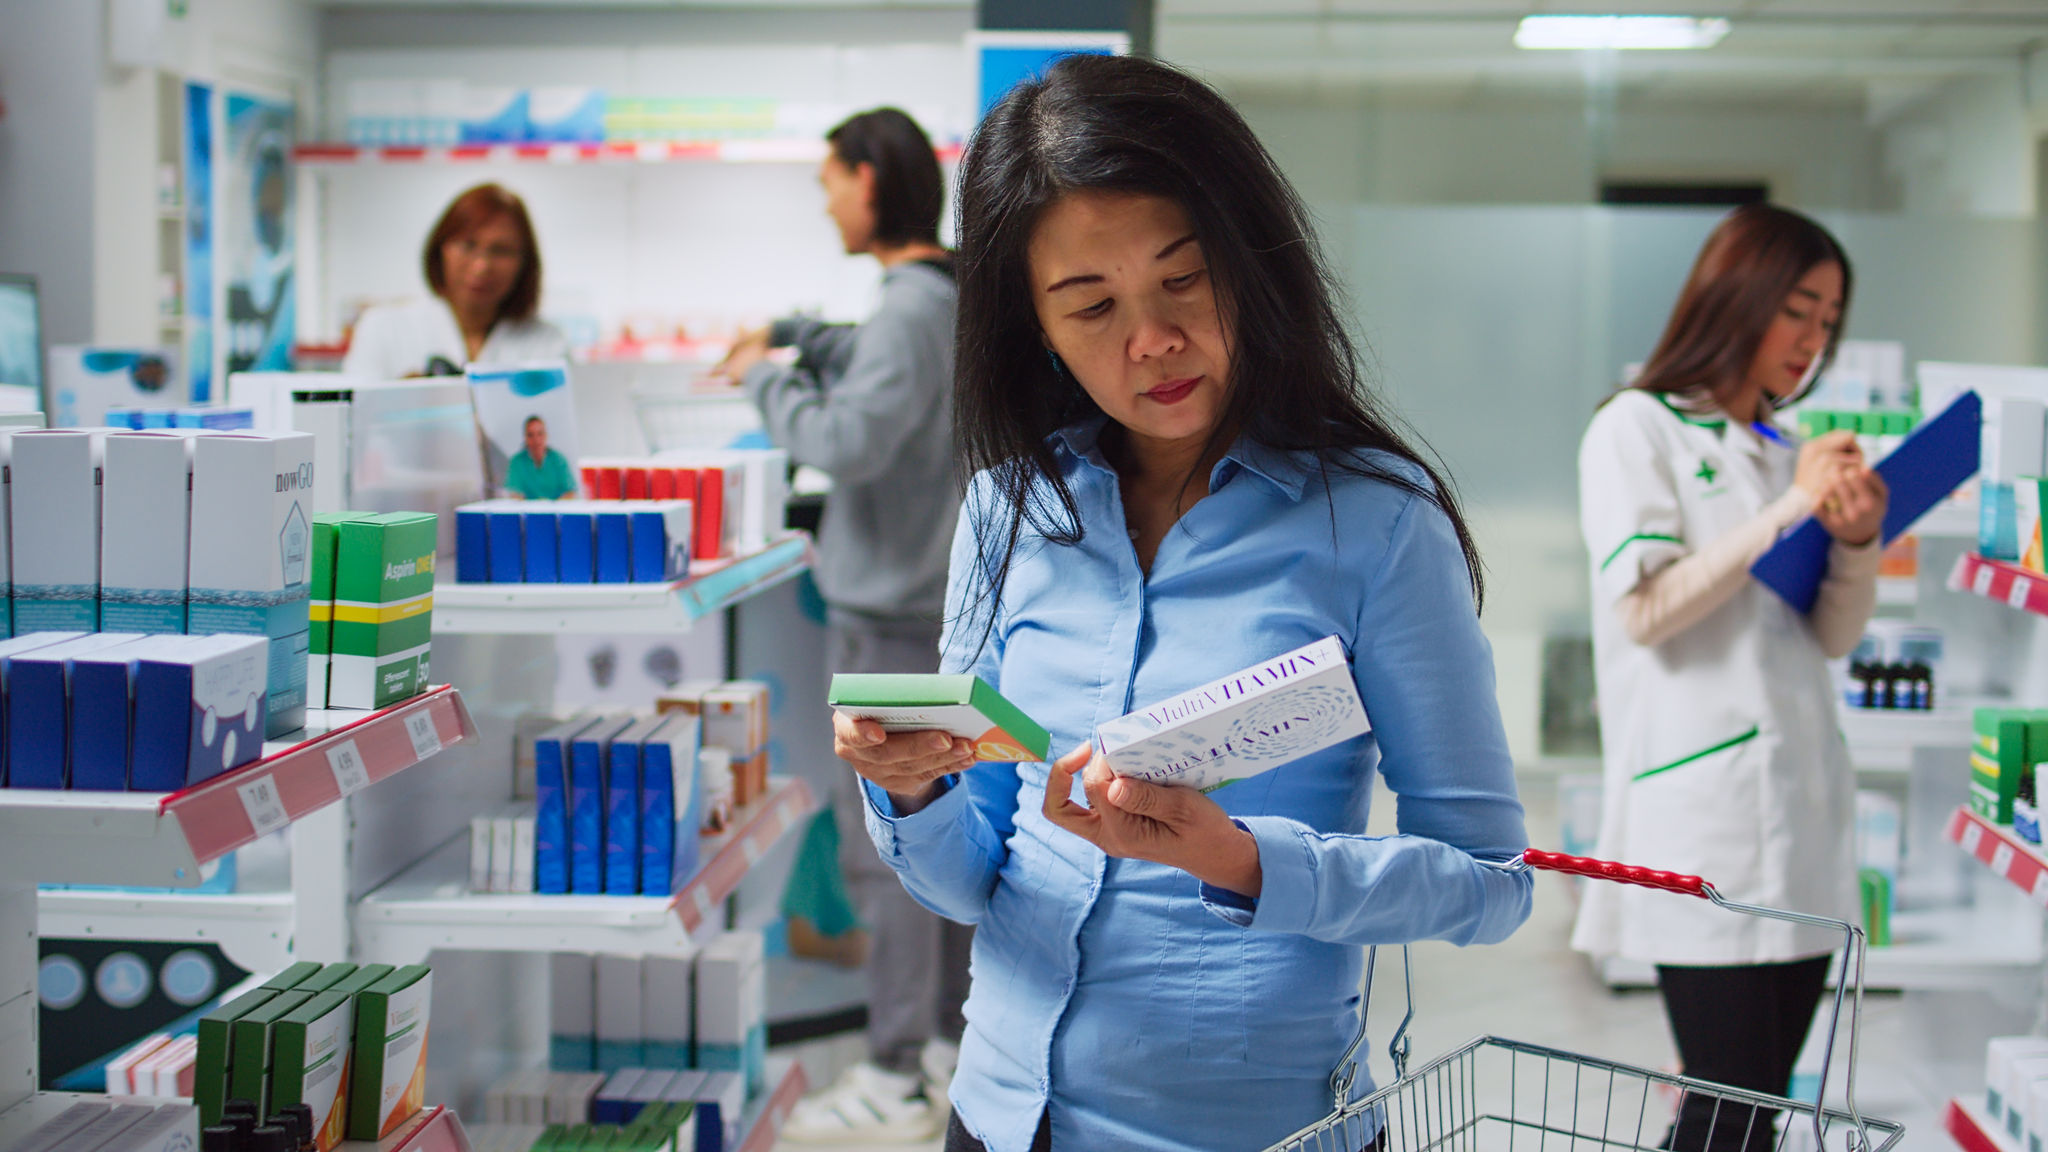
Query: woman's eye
(1796,314)
(1178,283)
(1099,308)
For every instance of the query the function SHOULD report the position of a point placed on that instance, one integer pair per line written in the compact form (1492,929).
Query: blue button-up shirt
(1146,1010)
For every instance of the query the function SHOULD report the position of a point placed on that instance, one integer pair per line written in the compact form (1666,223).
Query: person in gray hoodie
(870,404)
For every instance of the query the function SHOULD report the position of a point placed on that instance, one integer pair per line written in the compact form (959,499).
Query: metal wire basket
(1494,1094)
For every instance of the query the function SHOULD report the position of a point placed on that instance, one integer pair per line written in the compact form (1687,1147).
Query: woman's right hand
(906,765)
(1823,459)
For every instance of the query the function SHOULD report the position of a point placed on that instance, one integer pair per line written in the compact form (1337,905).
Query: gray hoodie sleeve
(823,348)
(856,428)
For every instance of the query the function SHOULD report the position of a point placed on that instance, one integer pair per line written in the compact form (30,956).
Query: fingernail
(940,741)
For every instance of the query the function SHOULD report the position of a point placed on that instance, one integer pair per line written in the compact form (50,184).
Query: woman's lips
(1173,391)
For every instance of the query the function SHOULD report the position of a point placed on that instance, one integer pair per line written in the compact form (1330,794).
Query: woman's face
(1800,332)
(479,267)
(850,201)
(1124,297)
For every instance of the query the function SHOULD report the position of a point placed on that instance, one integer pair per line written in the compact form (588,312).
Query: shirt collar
(1287,471)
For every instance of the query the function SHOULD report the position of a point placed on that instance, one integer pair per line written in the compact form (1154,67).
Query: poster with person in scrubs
(256,225)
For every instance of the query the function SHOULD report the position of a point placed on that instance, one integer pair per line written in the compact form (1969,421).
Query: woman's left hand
(1179,827)
(1852,506)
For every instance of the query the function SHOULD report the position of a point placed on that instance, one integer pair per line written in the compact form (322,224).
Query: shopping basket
(1504,1094)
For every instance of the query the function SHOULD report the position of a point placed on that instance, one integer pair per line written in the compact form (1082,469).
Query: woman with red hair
(484,268)
(1723,757)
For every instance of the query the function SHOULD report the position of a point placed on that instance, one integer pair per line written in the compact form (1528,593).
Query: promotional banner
(197,291)
(256,233)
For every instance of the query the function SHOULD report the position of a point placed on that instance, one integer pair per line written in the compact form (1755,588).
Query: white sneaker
(866,1105)
(937,1061)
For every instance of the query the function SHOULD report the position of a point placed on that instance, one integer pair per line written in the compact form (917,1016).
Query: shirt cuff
(1235,907)
(1287,879)
(890,829)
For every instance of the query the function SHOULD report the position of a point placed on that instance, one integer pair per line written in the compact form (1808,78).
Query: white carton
(145,525)
(251,553)
(54,498)
(1278,710)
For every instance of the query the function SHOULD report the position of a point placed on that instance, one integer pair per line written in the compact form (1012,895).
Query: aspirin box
(1278,710)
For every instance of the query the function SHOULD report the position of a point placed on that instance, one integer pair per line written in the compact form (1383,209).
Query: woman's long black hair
(1132,125)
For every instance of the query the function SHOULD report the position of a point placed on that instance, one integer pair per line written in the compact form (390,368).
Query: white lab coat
(1723,758)
(393,341)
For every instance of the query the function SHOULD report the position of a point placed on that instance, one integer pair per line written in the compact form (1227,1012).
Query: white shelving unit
(539,609)
(430,906)
(162,840)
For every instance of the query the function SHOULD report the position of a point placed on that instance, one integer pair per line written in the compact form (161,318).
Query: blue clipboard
(1938,456)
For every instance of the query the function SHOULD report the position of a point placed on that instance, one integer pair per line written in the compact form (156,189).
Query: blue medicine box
(38,697)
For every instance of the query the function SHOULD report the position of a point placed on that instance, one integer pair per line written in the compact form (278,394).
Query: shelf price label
(264,806)
(2040,889)
(2001,858)
(420,727)
(350,774)
(1973,834)
(1981,584)
(2017,595)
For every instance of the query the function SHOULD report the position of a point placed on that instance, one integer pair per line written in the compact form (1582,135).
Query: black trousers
(959,1139)
(1741,1026)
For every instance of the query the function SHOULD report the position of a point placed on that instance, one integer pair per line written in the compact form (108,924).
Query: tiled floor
(1534,988)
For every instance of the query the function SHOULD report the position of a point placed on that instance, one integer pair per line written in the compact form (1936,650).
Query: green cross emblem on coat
(1706,472)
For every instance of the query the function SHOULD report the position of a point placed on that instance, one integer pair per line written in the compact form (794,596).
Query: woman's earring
(1058,369)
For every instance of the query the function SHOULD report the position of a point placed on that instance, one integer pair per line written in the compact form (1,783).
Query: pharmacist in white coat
(483,264)
(1722,754)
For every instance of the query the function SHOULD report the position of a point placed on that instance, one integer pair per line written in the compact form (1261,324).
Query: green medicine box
(211,1064)
(320,641)
(293,974)
(961,705)
(1998,756)
(249,1069)
(310,1049)
(389,1073)
(383,609)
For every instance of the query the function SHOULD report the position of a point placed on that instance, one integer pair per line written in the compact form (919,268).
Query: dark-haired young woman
(483,265)
(1723,758)
(1178,473)
(871,404)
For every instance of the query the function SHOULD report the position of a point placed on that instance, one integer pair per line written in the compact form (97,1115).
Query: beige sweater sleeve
(1687,591)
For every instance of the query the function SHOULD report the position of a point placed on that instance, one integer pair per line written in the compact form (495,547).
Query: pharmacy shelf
(2000,849)
(1883,739)
(1898,591)
(1967,1123)
(545,609)
(806,150)
(1998,580)
(432,1129)
(430,905)
(254,929)
(1951,519)
(768,1113)
(1940,949)
(160,840)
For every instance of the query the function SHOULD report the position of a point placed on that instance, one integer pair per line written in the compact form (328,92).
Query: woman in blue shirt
(1178,472)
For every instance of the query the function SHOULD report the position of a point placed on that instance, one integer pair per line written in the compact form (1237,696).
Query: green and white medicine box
(1998,757)
(388,1082)
(249,1068)
(309,1058)
(963,706)
(383,609)
(320,637)
(216,1050)
(294,974)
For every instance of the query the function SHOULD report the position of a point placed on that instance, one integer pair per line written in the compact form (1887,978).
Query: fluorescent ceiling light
(1586,32)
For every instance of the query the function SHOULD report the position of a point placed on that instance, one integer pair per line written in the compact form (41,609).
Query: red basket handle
(1619,873)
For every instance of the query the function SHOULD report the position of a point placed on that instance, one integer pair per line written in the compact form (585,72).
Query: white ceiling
(1802,52)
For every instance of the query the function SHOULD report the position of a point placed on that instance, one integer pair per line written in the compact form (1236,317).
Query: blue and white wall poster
(197,291)
(1003,60)
(256,234)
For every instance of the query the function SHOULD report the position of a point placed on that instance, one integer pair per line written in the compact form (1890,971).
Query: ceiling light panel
(1586,33)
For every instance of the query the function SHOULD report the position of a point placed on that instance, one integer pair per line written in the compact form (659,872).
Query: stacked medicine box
(618,806)
(349,1041)
(572,541)
(372,607)
(2008,747)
